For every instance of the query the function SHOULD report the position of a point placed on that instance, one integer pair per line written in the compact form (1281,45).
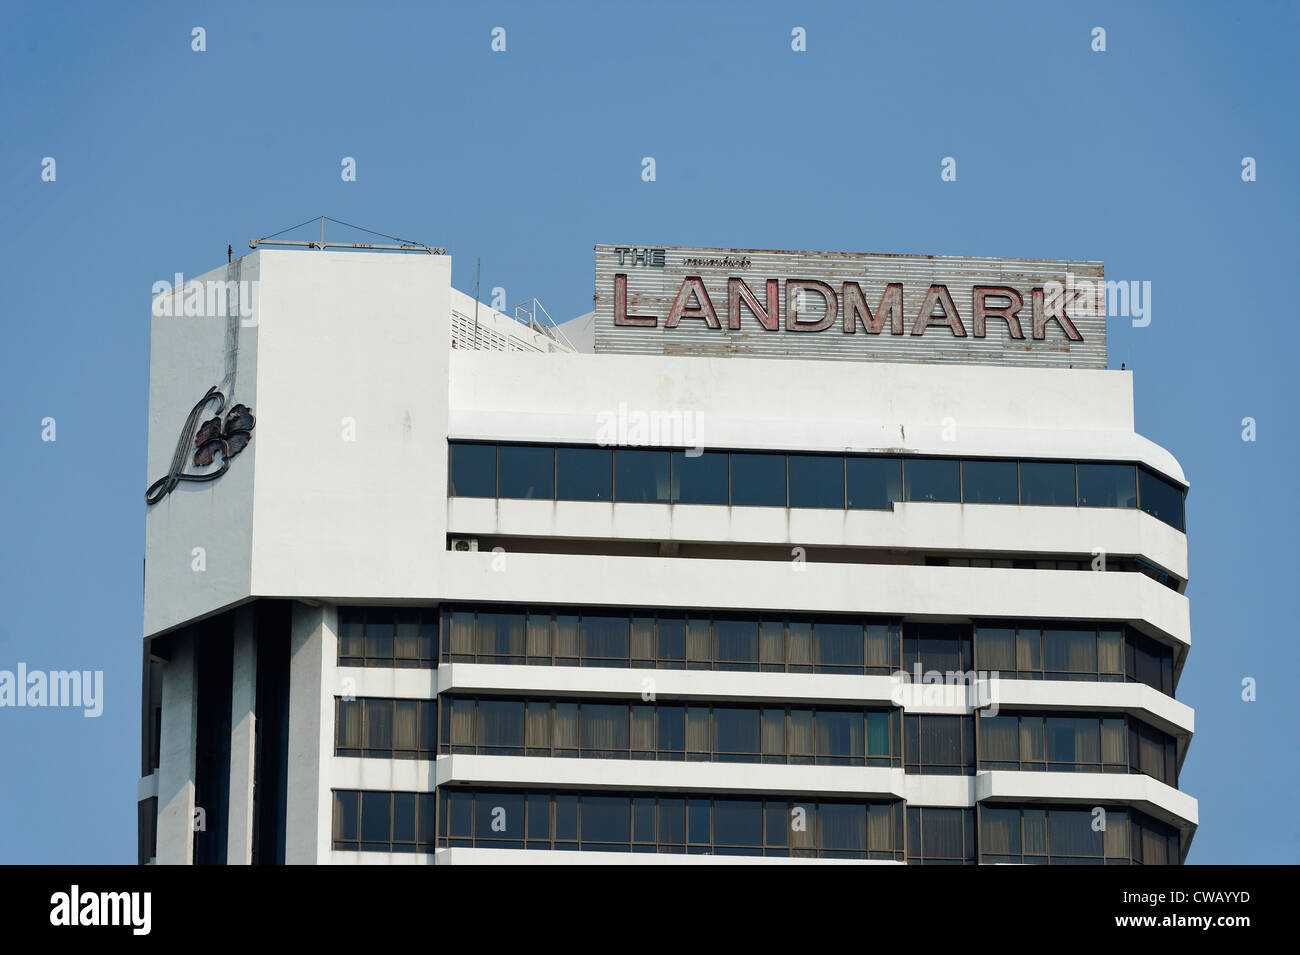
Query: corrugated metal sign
(663,300)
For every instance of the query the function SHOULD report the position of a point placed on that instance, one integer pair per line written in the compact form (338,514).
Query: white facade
(341,498)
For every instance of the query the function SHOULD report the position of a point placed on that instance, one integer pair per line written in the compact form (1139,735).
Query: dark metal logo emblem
(214,439)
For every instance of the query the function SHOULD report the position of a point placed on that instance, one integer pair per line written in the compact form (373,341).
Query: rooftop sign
(851,306)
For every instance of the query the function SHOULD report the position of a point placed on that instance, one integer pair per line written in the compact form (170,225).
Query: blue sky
(529,157)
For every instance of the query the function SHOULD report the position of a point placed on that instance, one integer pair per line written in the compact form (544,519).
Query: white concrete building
(509,603)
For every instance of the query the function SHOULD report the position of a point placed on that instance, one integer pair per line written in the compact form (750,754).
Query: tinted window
(526,472)
(641,476)
(735,732)
(584,474)
(816,480)
(937,647)
(932,479)
(874,483)
(606,819)
(837,646)
(1161,499)
(1046,482)
(988,482)
(1070,651)
(701,479)
(500,816)
(758,480)
(473,470)
(736,641)
(1107,485)
(996,648)
(605,637)
(737,822)
(501,726)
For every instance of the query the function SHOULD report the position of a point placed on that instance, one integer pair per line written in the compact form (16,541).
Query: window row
(372,821)
(668,640)
(408,637)
(1124,565)
(705,825)
(671,731)
(776,479)
(928,744)
(1075,836)
(386,728)
(376,821)
(388,636)
(1020,651)
(1077,744)
(650,639)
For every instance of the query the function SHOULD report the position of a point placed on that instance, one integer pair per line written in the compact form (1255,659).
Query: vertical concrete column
(243,736)
(312,653)
(177,749)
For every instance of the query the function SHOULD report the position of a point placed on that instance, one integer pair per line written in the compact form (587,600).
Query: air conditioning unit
(464,543)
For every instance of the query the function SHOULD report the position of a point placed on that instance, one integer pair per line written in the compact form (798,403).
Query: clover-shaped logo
(228,439)
(215,438)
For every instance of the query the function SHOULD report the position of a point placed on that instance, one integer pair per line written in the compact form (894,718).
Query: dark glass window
(1150,662)
(387,637)
(1111,653)
(641,476)
(988,482)
(1160,498)
(758,480)
(873,483)
(938,647)
(376,821)
(499,820)
(647,822)
(1107,485)
(1057,742)
(841,738)
(501,637)
(701,479)
(940,836)
(584,474)
(500,727)
(837,647)
(386,728)
(939,745)
(932,479)
(738,823)
(473,470)
(736,642)
(995,649)
(736,734)
(527,472)
(816,480)
(606,822)
(663,731)
(606,637)
(1046,482)
(1069,651)
(346,825)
